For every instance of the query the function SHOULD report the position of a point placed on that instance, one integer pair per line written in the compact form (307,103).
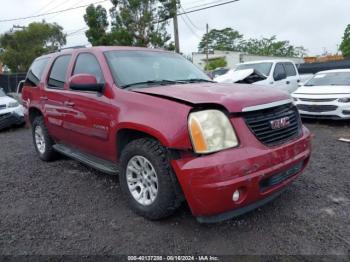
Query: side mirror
(20,87)
(85,82)
(280,76)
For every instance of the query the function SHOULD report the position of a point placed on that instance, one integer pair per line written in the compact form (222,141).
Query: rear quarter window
(36,71)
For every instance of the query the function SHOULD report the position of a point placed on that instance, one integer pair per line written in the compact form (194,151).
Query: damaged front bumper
(258,173)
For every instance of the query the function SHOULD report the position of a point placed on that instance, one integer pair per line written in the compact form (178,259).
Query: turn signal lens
(211,131)
(197,136)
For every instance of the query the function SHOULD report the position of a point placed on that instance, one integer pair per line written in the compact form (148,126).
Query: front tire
(43,143)
(146,179)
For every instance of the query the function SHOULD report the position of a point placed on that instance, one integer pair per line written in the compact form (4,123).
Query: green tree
(271,47)
(96,19)
(226,39)
(215,63)
(345,45)
(22,47)
(134,23)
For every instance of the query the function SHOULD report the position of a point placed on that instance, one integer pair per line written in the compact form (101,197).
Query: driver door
(280,78)
(89,124)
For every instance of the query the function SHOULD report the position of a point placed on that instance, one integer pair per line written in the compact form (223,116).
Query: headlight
(344,100)
(211,131)
(295,99)
(13,104)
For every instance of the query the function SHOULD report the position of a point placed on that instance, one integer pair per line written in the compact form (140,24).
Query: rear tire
(146,179)
(43,143)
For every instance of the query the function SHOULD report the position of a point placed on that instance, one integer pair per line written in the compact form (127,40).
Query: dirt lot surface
(64,207)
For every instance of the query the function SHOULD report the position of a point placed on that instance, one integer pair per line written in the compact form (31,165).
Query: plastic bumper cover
(209,182)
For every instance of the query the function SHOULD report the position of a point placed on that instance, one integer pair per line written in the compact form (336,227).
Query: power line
(197,10)
(189,19)
(51,9)
(208,7)
(189,27)
(50,13)
(72,32)
(204,4)
(79,31)
(45,6)
(71,6)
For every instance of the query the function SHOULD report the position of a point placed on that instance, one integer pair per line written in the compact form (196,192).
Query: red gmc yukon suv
(171,133)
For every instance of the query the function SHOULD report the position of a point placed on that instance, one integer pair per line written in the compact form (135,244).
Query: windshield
(330,79)
(146,68)
(263,68)
(2,94)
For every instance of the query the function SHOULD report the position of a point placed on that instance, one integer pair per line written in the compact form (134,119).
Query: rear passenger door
(54,97)
(91,112)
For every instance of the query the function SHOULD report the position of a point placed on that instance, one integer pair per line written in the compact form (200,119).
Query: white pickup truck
(281,74)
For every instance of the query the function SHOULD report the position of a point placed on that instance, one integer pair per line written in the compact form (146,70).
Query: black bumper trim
(238,212)
(322,117)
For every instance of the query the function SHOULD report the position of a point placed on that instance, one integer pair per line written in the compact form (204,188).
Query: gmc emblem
(280,123)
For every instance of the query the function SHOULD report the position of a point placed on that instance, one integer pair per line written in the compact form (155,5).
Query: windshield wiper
(196,80)
(153,82)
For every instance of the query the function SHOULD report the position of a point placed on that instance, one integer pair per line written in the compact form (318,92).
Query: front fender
(163,119)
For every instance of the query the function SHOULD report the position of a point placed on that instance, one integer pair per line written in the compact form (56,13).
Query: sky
(318,25)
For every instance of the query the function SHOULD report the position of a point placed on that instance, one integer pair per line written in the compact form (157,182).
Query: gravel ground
(64,207)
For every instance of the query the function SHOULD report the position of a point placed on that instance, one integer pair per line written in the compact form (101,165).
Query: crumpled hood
(233,76)
(245,76)
(234,97)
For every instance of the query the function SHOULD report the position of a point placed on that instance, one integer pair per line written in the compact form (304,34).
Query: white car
(279,74)
(326,95)
(11,112)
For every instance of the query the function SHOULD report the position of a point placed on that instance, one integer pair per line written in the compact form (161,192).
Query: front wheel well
(125,136)
(33,113)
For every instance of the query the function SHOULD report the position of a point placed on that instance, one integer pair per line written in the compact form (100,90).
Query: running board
(87,159)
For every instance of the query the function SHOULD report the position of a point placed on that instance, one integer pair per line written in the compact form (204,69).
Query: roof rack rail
(71,47)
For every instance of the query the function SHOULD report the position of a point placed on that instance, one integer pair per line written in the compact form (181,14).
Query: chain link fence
(9,82)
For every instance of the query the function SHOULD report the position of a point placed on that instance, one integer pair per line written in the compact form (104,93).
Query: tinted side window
(279,69)
(88,64)
(290,69)
(36,71)
(59,72)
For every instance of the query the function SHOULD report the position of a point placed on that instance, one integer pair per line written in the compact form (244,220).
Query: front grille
(321,100)
(4,116)
(273,180)
(2,106)
(317,108)
(260,124)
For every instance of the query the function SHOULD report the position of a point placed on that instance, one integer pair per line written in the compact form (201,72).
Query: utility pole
(207,46)
(176,28)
